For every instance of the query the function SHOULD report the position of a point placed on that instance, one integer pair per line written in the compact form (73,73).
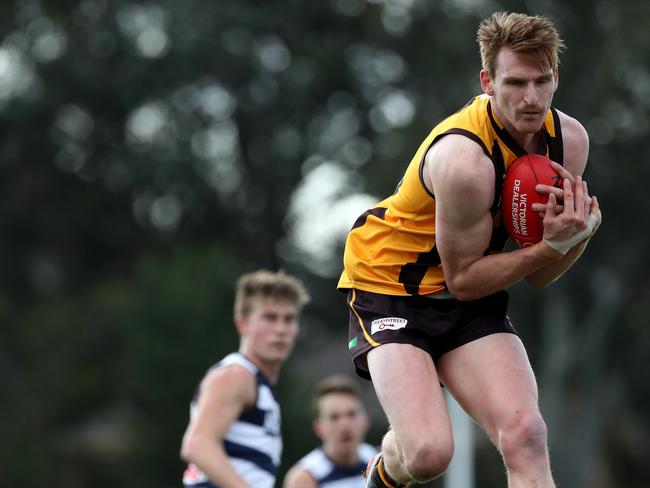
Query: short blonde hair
(268,284)
(520,32)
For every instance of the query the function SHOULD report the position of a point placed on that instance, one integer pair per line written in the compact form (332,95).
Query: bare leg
(419,445)
(493,381)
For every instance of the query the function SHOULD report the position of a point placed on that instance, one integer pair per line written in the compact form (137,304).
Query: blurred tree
(150,152)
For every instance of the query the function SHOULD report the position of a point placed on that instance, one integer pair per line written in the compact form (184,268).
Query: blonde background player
(233,439)
(425,274)
(341,424)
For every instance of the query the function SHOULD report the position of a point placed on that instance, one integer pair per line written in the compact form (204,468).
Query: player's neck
(270,369)
(529,142)
(341,457)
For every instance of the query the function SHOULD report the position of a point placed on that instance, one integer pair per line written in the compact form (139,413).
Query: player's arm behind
(461,177)
(576,149)
(224,394)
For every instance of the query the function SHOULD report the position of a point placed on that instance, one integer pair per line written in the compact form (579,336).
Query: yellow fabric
(391,249)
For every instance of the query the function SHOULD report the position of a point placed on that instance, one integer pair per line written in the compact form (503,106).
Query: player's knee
(524,439)
(429,460)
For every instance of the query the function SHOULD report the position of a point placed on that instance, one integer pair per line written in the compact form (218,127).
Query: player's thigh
(408,388)
(492,379)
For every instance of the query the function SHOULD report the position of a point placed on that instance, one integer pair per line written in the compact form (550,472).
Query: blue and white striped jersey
(254,442)
(329,475)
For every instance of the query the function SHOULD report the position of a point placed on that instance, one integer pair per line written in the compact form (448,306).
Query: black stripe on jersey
(505,136)
(466,133)
(256,457)
(499,175)
(555,144)
(412,274)
(253,416)
(460,132)
(498,240)
(378,212)
(342,472)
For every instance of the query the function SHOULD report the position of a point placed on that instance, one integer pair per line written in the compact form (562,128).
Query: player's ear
(486,82)
(240,324)
(556,76)
(315,425)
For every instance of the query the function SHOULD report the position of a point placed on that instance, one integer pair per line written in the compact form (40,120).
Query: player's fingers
(551,205)
(595,213)
(595,208)
(562,171)
(541,207)
(547,190)
(568,197)
(594,203)
(579,196)
(586,198)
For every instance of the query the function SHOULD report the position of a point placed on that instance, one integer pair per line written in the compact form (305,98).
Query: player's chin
(277,359)
(529,126)
(280,352)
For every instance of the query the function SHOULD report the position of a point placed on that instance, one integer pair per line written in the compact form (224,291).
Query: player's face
(522,90)
(270,330)
(341,423)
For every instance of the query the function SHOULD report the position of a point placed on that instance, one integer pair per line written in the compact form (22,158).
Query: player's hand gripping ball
(522,223)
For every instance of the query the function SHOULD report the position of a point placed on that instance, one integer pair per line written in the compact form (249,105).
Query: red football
(518,195)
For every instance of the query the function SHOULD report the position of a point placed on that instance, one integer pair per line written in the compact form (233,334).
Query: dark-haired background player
(341,424)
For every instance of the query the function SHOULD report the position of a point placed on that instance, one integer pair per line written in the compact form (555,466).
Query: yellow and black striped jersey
(391,248)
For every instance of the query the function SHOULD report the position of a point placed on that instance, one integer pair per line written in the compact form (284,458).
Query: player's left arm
(576,152)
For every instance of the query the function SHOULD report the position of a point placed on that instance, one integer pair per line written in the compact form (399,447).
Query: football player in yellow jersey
(426,280)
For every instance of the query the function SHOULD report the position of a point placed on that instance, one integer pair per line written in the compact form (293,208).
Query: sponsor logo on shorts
(387,323)
(353,343)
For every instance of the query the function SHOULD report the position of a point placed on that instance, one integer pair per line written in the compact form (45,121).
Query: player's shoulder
(576,143)
(572,129)
(298,476)
(233,380)
(313,459)
(457,145)
(366,451)
(459,162)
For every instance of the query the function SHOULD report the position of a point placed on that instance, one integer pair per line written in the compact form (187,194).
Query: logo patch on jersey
(387,323)
(353,343)
(272,422)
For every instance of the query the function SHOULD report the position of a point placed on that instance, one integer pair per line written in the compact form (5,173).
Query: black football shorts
(436,325)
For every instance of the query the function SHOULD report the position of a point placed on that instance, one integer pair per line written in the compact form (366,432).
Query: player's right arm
(462,177)
(298,477)
(224,393)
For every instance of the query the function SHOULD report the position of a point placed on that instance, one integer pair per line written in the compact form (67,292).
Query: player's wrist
(566,245)
(549,251)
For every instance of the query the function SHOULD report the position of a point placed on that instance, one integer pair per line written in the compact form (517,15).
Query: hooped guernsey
(253,443)
(328,474)
(391,248)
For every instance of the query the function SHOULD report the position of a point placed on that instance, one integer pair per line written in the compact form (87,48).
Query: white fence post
(460,473)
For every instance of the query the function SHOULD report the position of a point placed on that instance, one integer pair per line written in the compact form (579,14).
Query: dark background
(152,152)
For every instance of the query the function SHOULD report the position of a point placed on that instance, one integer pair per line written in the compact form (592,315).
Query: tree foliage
(150,152)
